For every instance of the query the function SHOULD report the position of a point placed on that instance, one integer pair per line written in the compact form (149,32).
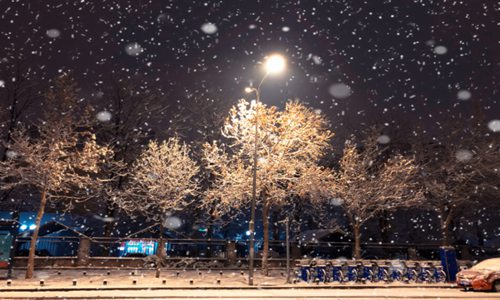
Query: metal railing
(217,248)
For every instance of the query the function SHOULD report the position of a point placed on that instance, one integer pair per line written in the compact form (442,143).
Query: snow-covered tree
(60,158)
(289,146)
(368,184)
(160,182)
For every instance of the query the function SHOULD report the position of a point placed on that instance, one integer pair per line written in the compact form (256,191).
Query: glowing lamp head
(248,90)
(275,64)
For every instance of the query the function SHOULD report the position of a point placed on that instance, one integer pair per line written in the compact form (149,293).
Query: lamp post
(273,65)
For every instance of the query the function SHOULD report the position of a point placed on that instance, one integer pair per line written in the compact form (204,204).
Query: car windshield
(490,264)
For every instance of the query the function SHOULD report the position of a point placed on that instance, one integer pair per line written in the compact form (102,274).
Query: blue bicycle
(350,272)
(378,273)
(394,271)
(435,274)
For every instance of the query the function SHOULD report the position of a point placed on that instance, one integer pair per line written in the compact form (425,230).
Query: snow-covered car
(483,276)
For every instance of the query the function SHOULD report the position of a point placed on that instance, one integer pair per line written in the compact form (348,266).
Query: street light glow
(275,63)
(248,90)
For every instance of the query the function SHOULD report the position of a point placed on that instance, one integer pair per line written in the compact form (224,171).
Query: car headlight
(481,277)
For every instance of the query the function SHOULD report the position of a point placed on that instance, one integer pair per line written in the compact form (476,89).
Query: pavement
(66,280)
(192,284)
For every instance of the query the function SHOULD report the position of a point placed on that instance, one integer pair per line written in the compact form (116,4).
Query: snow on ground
(173,278)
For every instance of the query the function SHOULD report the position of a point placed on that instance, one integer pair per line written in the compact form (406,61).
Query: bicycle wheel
(323,275)
(354,275)
(413,276)
(398,276)
(384,275)
(341,277)
(372,277)
(309,276)
(441,276)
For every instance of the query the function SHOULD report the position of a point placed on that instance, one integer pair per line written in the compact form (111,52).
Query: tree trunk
(445,222)
(160,251)
(108,227)
(30,268)
(383,223)
(265,247)
(356,253)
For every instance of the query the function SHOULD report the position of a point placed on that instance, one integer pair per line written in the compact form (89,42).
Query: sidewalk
(62,280)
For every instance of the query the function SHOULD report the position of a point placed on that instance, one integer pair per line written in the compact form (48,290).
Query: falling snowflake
(103,116)
(463,95)
(162,18)
(383,139)
(53,33)
(340,90)
(285,29)
(133,49)
(463,155)
(172,222)
(209,28)
(336,201)
(2,84)
(494,125)
(10,154)
(316,59)
(440,50)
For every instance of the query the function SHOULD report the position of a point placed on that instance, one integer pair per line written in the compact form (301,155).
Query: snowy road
(373,294)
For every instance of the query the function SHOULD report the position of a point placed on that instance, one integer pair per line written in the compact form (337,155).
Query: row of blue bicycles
(317,270)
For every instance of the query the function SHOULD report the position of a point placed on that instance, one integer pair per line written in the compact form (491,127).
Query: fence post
(295,250)
(83,252)
(231,253)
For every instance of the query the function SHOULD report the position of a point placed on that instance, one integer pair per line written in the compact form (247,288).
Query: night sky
(394,62)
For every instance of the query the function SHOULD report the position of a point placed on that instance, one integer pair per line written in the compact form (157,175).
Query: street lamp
(274,64)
